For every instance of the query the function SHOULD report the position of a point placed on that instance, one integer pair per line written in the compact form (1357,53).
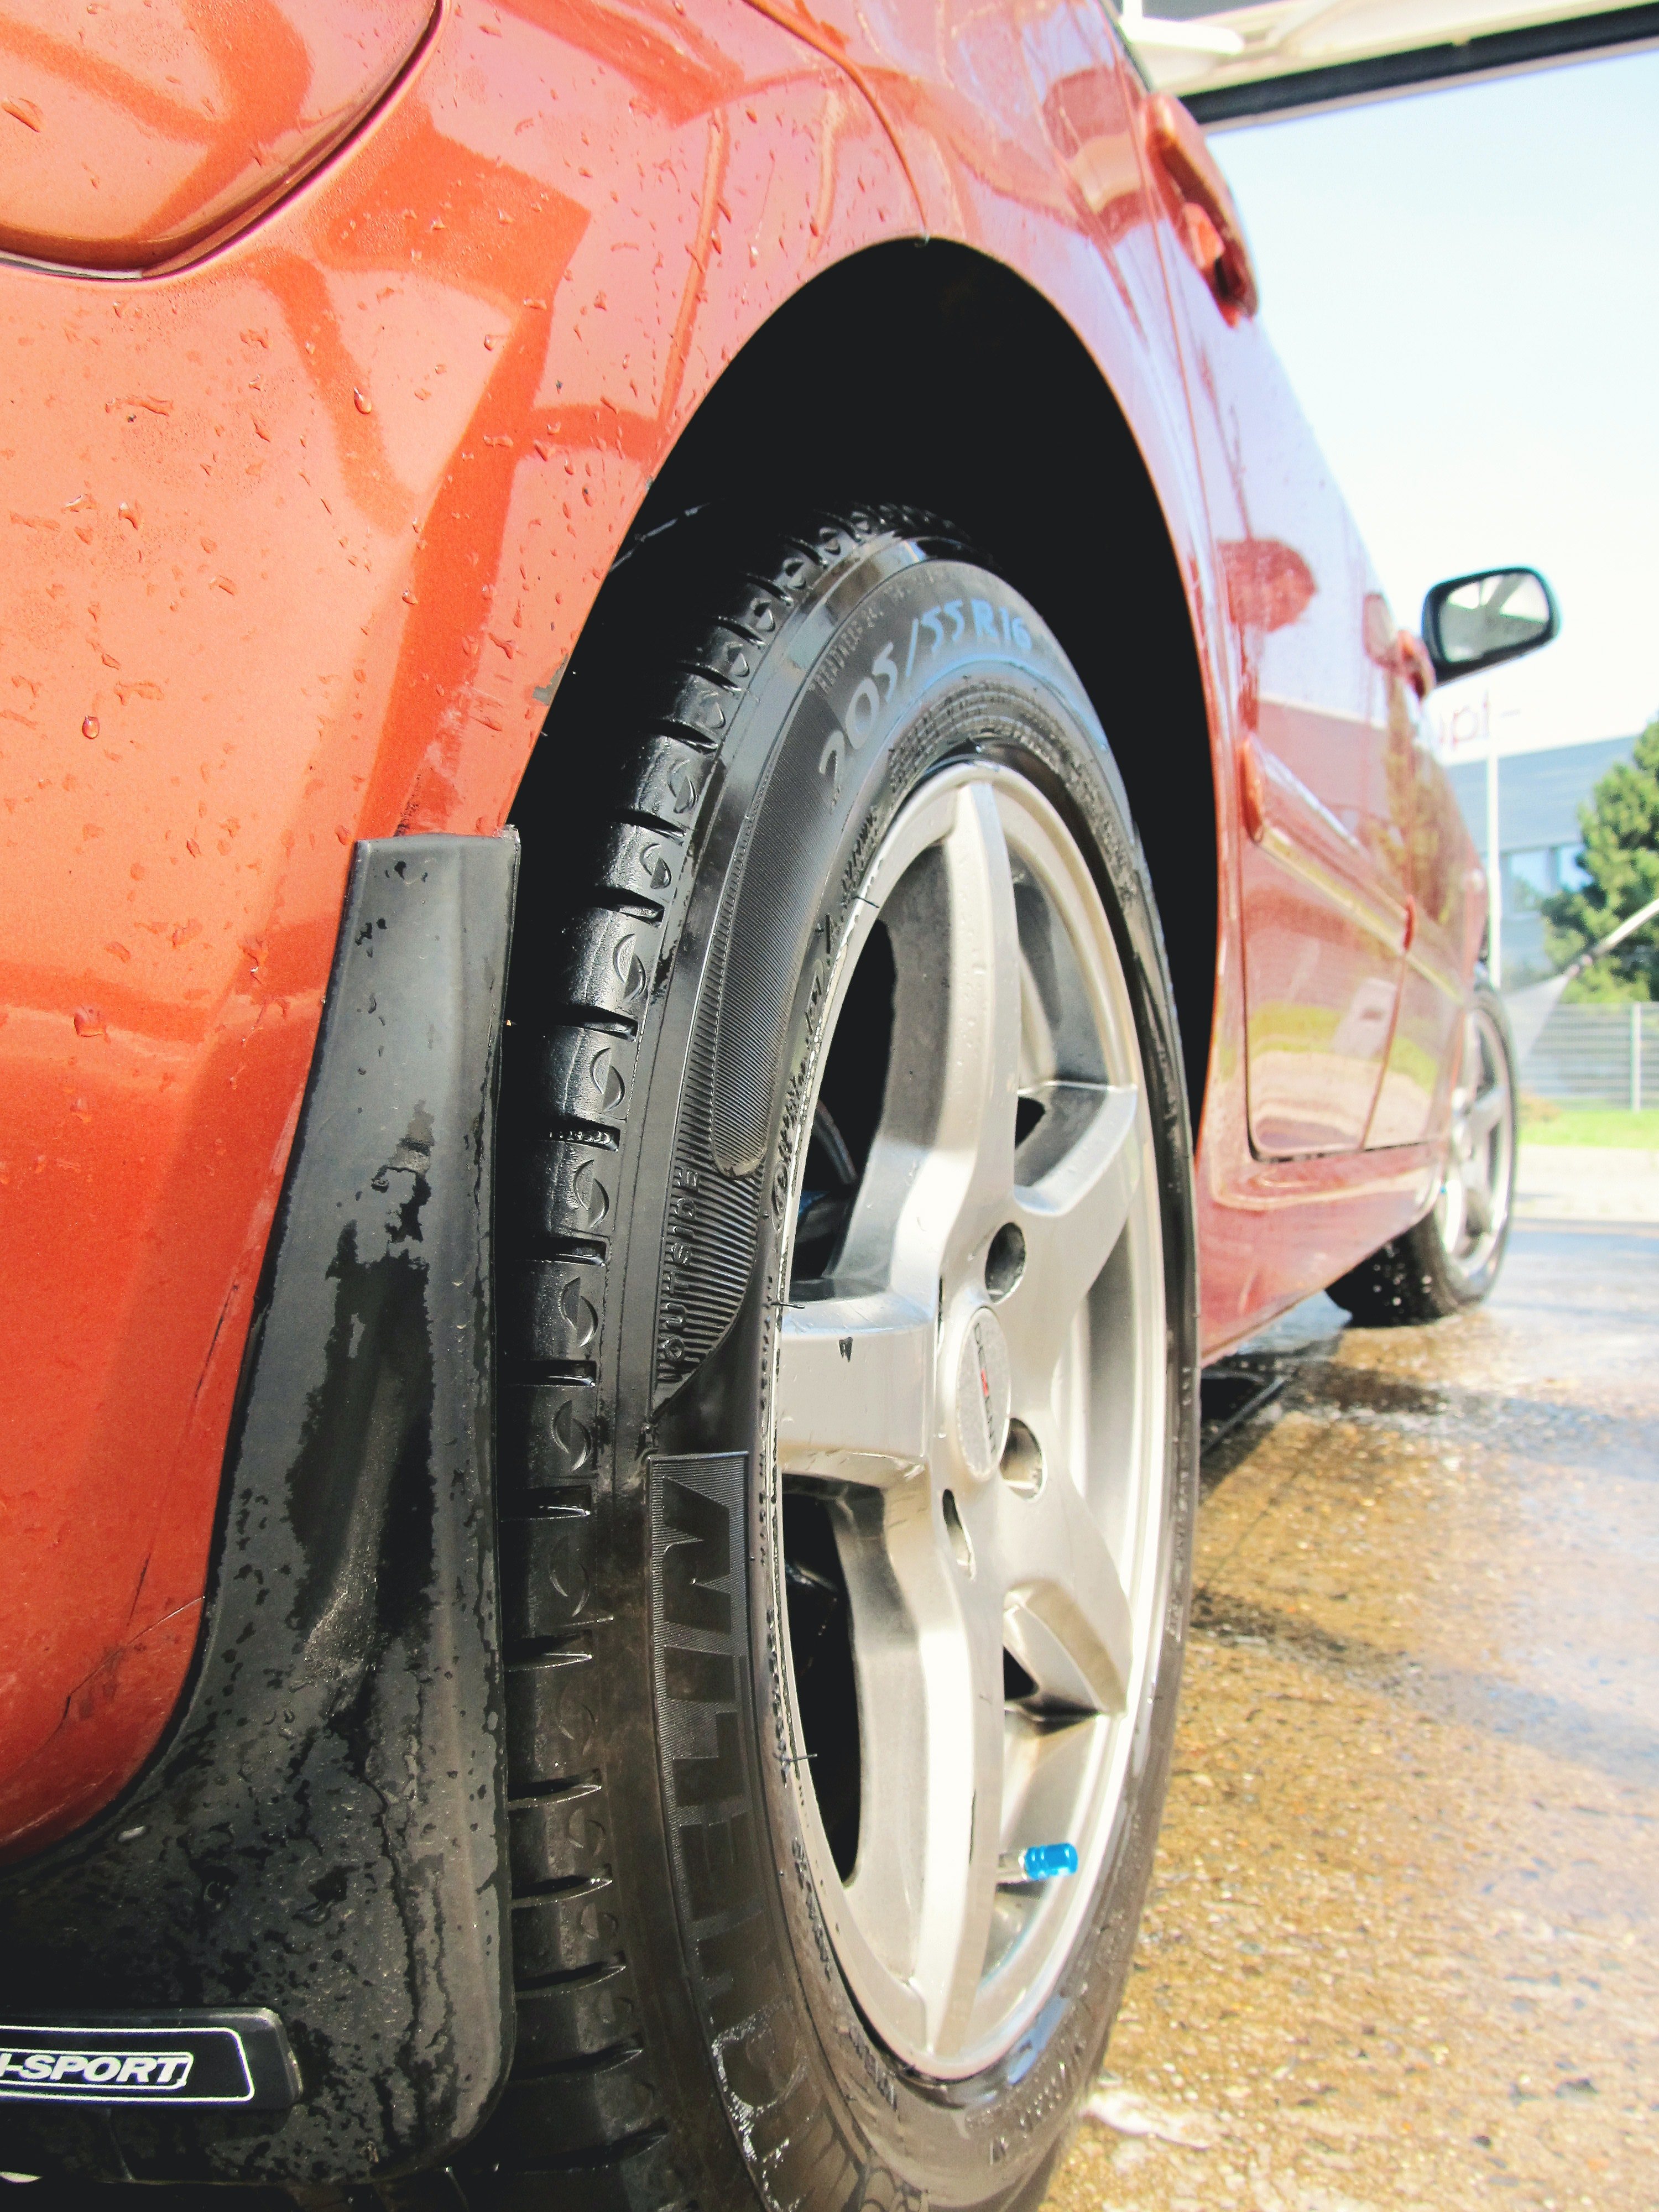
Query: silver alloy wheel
(974,1393)
(1473,1209)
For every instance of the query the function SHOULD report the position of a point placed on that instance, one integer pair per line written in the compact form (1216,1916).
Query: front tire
(1451,1258)
(849,1440)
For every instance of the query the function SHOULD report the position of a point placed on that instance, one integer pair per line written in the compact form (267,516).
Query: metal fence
(1596,1055)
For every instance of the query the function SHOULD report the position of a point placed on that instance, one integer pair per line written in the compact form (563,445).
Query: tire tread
(580,2124)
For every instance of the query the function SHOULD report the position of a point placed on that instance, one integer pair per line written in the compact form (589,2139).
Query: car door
(1448,901)
(1325,773)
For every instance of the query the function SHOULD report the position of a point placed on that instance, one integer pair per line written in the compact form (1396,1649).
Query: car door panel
(1413,1100)
(1322,948)
(1323,868)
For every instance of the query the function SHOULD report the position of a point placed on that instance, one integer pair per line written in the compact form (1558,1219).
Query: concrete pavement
(1586,1183)
(1402,1946)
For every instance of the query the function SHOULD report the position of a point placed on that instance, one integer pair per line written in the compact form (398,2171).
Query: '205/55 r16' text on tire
(848,1359)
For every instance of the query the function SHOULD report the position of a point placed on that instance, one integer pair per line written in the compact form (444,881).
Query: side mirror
(1475,621)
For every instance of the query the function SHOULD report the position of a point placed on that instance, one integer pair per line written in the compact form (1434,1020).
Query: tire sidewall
(901,659)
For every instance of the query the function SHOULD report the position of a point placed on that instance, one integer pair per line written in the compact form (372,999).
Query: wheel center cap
(982,1393)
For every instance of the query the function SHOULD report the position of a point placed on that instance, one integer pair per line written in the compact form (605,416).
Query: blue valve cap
(1043,1861)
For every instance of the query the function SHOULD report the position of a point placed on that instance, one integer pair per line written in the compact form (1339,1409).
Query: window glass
(1530,879)
(1570,867)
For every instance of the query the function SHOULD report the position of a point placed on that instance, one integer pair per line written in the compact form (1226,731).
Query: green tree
(1620,823)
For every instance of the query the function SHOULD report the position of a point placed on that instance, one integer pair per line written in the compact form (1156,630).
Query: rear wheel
(1451,1258)
(848,1338)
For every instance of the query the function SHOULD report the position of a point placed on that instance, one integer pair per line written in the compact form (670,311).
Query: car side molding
(322,1835)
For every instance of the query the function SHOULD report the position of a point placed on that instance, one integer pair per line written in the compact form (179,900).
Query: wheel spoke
(884,1889)
(942,1163)
(1067,1616)
(1477,1205)
(1071,1219)
(932,1726)
(981,1084)
(1485,1112)
(855,1388)
(1453,1207)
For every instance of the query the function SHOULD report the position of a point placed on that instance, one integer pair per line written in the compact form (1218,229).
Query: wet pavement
(1401,1949)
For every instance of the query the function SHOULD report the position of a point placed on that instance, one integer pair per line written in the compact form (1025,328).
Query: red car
(594,1551)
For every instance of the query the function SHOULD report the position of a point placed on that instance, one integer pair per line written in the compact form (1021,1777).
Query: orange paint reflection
(150,131)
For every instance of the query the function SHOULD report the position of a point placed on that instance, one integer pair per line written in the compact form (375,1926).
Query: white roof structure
(1230,64)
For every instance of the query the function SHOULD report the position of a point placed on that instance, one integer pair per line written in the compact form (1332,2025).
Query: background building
(1539,840)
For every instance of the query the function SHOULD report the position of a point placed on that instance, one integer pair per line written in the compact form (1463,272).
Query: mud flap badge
(239,2059)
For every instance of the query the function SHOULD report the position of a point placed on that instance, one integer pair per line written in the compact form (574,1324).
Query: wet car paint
(1401,1945)
(299,540)
(148,133)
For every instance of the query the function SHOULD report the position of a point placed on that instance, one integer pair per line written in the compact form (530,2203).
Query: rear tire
(686,2024)
(1451,1258)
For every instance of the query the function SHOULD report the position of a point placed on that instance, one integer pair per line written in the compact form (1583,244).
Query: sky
(1464,286)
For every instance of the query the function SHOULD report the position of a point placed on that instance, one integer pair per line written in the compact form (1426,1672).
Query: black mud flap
(312,1868)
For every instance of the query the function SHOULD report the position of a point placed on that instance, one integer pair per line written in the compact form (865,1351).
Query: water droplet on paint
(363,404)
(89,726)
(88,1022)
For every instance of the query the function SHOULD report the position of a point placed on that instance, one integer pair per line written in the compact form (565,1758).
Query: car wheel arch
(1066,507)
